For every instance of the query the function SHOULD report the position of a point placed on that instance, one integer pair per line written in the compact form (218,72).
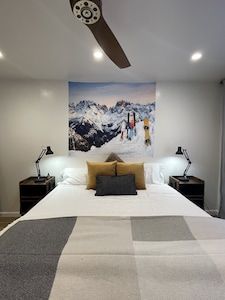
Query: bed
(73,245)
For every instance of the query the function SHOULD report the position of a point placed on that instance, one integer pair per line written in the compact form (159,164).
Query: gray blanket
(114,258)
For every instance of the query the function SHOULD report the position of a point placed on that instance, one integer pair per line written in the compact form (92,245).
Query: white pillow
(153,173)
(74,176)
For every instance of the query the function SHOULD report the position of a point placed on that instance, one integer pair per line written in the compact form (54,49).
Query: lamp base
(183,178)
(40,179)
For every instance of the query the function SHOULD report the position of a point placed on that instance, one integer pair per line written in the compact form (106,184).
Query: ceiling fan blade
(89,12)
(109,43)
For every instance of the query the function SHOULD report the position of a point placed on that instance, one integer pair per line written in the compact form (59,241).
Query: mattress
(74,245)
(76,200)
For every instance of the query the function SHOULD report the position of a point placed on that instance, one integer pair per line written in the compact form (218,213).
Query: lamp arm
(186,170)
(43,151)
(189,162)
(38,169)
(186,155)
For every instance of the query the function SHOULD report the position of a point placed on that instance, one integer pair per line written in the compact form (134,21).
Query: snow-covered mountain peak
(85,105)
(97,124)
(122,103)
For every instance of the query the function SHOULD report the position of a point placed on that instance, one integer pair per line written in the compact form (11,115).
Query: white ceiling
(42,40)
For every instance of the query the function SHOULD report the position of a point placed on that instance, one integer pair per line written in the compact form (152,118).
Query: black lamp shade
(179,151)
(49,151)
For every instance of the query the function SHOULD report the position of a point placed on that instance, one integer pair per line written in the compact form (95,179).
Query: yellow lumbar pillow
(99,168)
(133,168)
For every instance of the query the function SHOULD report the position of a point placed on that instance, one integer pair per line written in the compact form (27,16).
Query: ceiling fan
(89,12)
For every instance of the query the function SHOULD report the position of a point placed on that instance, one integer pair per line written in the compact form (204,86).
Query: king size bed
(74,245)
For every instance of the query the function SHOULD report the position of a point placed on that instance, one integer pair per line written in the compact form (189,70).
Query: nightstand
(192,189)
(32,192)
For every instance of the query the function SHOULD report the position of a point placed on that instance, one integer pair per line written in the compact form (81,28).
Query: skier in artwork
(147,132)
(123,130)
(131,125)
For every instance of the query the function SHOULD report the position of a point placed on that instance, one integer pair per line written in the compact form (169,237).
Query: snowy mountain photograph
(112,117)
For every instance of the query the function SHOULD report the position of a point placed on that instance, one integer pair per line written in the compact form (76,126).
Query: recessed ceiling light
(1,55)
(196,56)
(98,54)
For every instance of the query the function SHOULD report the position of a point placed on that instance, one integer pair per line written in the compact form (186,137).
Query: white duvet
(76,200)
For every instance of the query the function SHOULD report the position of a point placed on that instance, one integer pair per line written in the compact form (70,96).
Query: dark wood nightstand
(32,192)
(192,189)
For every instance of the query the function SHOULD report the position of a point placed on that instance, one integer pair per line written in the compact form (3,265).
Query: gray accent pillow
(112,157)
(115,185)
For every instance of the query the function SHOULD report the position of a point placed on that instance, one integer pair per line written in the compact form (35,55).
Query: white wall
(189,115)
(34,114)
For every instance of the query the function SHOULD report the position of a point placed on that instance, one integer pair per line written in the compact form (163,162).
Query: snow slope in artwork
(125,146)
(122,127)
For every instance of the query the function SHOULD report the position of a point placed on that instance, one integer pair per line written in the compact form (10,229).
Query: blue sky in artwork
(110,93)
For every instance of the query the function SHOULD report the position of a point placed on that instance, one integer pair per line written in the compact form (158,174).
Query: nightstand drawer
(31,198)
(27,205)
(191,189)
(198,202)
(31,192)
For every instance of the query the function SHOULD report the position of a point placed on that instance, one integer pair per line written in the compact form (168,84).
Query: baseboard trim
(9,214)
(213,212)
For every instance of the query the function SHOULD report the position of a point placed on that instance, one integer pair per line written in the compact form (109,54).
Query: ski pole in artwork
(123,129)
(131,125)
(147,132)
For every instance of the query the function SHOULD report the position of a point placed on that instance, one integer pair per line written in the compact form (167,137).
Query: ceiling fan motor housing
(88,12)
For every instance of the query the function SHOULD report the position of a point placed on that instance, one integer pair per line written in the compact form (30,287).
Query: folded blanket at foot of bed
(114,258)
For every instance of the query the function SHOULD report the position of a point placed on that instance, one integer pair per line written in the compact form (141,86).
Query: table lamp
(47,151)
(181,151)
